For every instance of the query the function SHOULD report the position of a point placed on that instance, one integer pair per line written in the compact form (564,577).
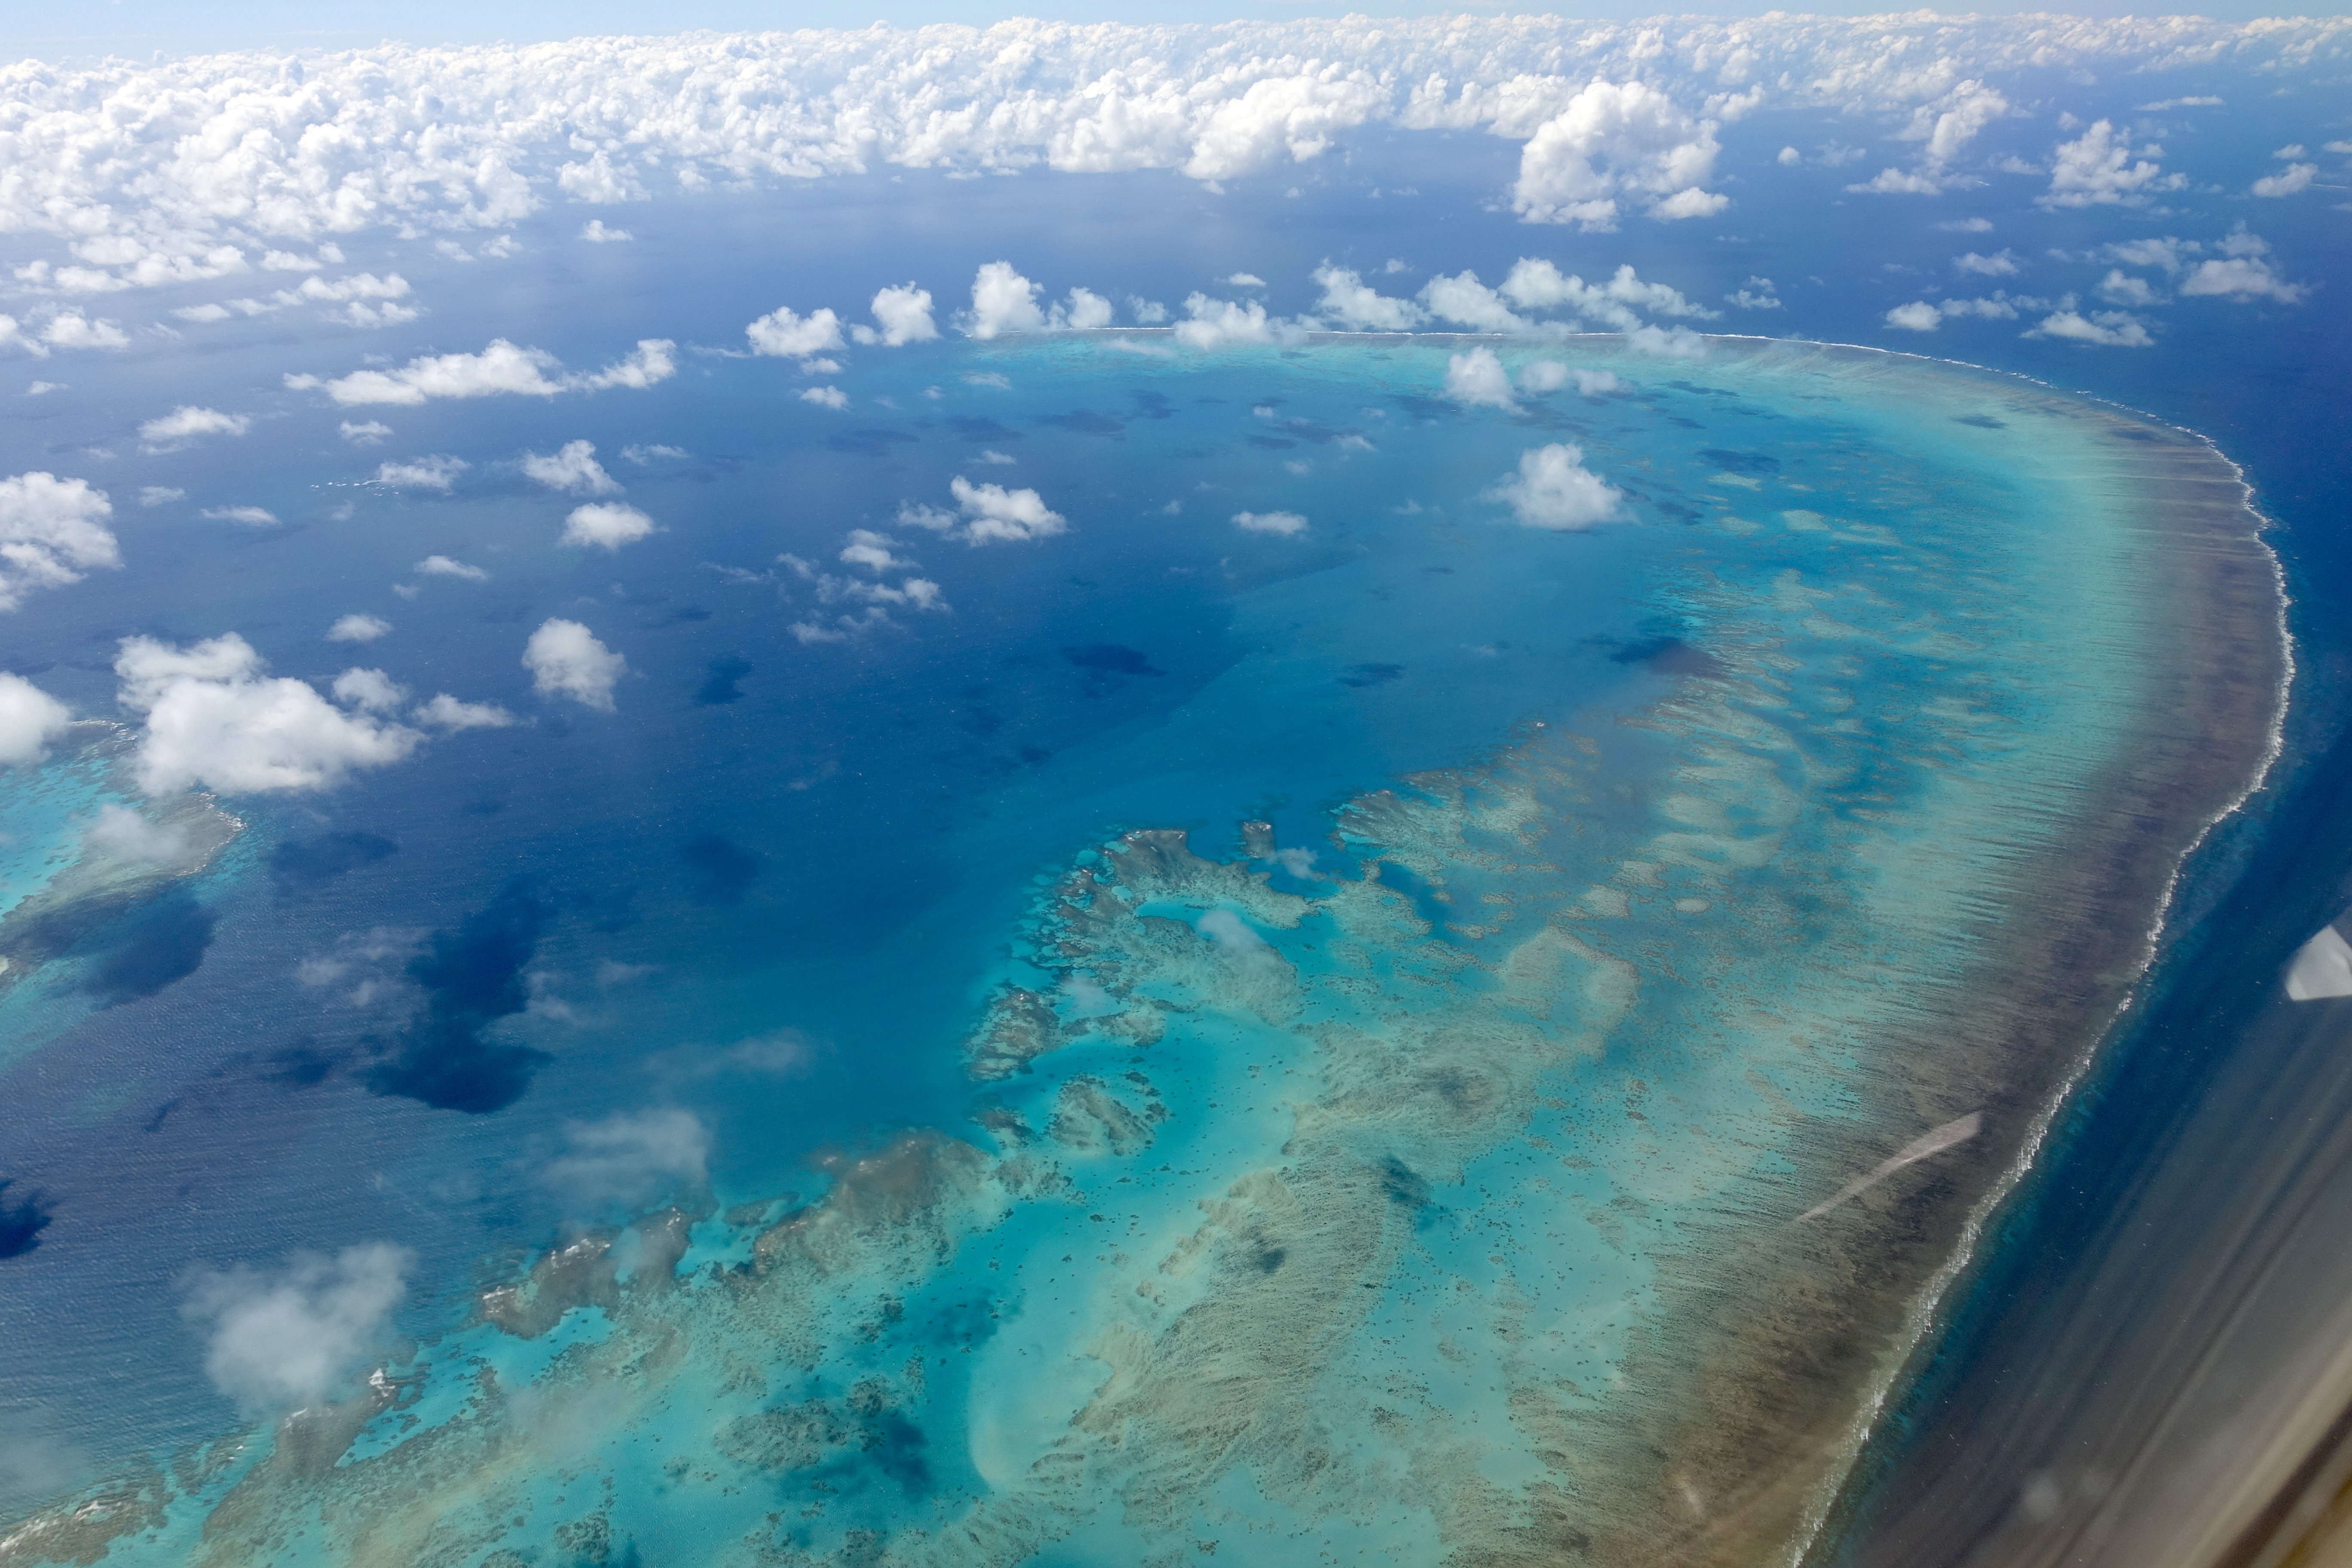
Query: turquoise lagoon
(1385,1005)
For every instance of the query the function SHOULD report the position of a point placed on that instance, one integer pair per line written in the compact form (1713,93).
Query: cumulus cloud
(1282,522)
(122,834)
(365,432)
(1351,303)
(1615,139)
(2000,264)
(290,1337)
(629,1158)
(2097,169)
(1004,302)
(1478,379)
(2109,329)
(1756,294)
(904,314)
(1554,490)
(2287,181)
(444,711)
(1465,302)
(784,335)
(503,368)
(369,688)
(443,566)
(1550,376)
(594,232)
(574,468)
(29,720)
(52,532)
(72,330)
(212,718)
(986,514)
(566,660)
(150,171)
(434,473)
(606,524)
(1214,323)
(2242,272)
(831,398)
(358,628)
(1619,303)
(186,423)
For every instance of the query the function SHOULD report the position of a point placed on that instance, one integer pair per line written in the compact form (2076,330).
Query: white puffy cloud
(566,660)
(29,720)
(607,524)
(1282,522)
(594,232)
(997,513)
(251,516)
(444,711)
(2242,272)
(2109,329)
(358,628)
(784,335)
(370,688)
(290,1337)
(905,314)
(1615,139)
(2121,288)
(1919,316)
(989,513)
(1003,301)
(1550,376)
(52,532)
(1619,303)
(443,566)
(651,363)
(831,398)
(1756,294)
(1466,302)
(1214,323)
(123,834)
(151,173)
(502,368)
(1478,379)
(2287,181)
(872,551)
(433,473)
(2097,169)
(1351,303)
(211,718)
(365,433)
(629,1158)
(1554,490)
(572,468)
(2000,264)
(72,330)
(1946,125)
(187,422)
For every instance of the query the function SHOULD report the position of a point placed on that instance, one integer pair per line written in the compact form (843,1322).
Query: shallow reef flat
(1552,1163)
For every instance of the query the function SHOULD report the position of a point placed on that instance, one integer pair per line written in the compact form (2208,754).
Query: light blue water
(1324,1203)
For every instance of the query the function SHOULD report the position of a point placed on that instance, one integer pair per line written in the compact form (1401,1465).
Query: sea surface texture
(1295,1018)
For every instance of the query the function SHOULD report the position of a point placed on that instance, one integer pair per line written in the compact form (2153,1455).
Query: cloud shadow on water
(22,1220)
(161,943)
(721,871)
(472,976)
(308,862)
